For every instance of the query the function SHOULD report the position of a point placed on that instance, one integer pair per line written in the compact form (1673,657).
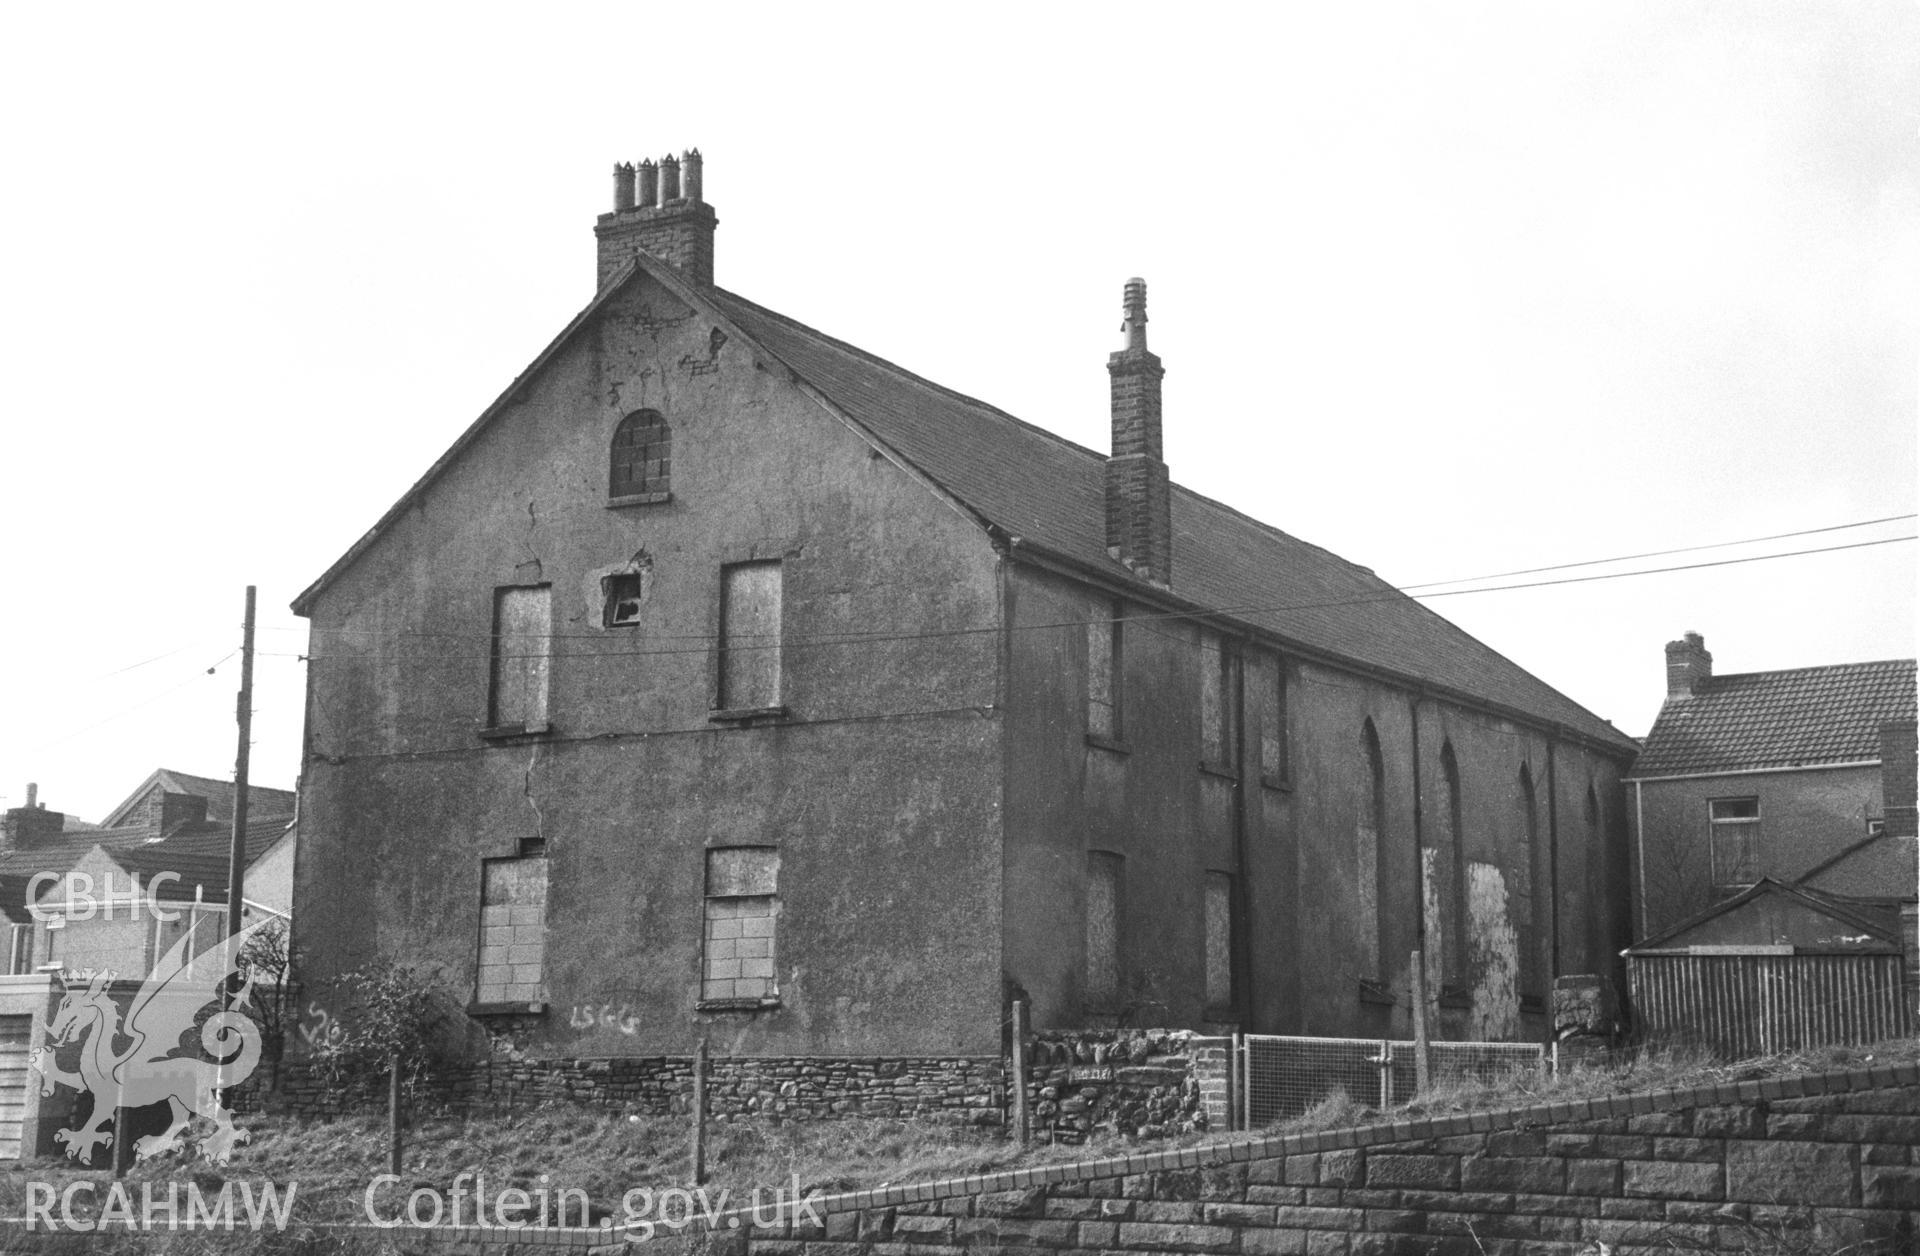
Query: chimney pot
(690,174)
(668,219)
(622,187)
(33,792)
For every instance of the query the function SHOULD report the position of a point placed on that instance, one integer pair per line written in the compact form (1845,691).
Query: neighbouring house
(724,679)
(113,897)
(68,893)
(1803,777)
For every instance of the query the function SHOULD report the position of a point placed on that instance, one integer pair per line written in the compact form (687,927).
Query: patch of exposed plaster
(1435,957)
(1494,955)
(693,364)
(597,589)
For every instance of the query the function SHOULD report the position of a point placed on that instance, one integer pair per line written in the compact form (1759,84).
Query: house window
(742,905)
(21,959)
(1103,925)
(1273,721)
(750,636)
(1219,914)
(522,632)
(1217,730)
(513,928)
(1104,674)
(642,460)
(1735,826)
(625,592)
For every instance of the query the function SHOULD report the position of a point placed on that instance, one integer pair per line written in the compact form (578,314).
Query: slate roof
(261,800)
(1049,492)
(1807,715)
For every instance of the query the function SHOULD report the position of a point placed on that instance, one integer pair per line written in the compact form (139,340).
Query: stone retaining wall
(1812,1163)
(1145,1083)
(962,1089)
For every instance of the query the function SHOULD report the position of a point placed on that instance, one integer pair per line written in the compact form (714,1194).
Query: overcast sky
(1449,290)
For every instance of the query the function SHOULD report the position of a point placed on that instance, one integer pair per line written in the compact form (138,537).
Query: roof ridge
(867,355)
(1817,667)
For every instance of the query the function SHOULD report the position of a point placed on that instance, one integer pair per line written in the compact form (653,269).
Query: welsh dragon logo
(146,1071)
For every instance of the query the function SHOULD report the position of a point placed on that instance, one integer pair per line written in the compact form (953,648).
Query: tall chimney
(1899,766)
(660,210)
(1688,664)
(1139,517)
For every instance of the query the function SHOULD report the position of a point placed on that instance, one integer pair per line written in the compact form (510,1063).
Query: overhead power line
(1684,549)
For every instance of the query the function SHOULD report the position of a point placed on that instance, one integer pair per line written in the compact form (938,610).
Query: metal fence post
(1022,1119)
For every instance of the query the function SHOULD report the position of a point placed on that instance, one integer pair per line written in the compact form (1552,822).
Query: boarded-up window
(642,461)
(513,929)
(1103,924)
(1371,870)
(1273,719)
(1735,824)
(1453,842)
(1218,739)
(1105,674)
(522,632)
(742,905)
(1531,915)
(750,636)
(1219,916)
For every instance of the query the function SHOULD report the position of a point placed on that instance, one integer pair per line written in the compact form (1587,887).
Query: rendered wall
(1327,903)
(880,788)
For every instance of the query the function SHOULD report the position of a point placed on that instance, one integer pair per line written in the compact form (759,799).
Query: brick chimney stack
(178,809)
(1139,517)
(1688,663)
(31,825)
(659,209)
(1899,766)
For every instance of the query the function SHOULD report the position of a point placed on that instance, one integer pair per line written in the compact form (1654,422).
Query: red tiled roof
(1808,715)
(1050,492)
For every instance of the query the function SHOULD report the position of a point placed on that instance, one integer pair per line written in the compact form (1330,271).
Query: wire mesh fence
(1282,1076)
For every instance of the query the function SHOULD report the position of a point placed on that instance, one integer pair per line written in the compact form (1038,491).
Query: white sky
(1446,289)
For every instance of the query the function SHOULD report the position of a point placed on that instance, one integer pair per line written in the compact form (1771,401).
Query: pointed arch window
(1372,869)
(640,466)
(1458,929)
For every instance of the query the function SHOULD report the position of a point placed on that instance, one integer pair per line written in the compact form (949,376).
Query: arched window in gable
(641,462)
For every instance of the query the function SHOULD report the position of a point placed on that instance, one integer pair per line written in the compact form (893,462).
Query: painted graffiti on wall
(584,1017)
(320,1031)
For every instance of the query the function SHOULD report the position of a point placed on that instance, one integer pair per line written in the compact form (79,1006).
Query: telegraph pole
(237,852)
